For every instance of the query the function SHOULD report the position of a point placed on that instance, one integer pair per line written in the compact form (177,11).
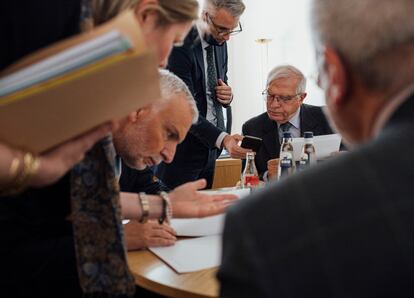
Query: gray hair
(287,72)
(171,84)
(374,37)
(234,7)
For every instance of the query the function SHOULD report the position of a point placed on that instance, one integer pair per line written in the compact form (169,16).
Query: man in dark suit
(344,228)
(284,98)
(202,63)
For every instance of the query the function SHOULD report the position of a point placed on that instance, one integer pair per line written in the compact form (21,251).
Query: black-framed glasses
(280,98)
(224,31)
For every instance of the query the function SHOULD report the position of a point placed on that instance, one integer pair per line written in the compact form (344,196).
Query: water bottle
(286,160)
(308,155)
(250,177)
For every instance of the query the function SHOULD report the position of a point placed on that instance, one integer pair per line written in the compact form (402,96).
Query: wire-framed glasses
(224,31)
(280,98)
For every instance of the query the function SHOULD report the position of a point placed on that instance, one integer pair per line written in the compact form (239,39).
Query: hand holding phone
(250,142)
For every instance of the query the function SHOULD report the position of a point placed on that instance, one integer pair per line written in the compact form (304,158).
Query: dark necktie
(212,83)
(97,228)
(284,128)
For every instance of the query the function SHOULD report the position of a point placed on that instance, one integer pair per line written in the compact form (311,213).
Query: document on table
(324,145)
(212,225)
(191,254)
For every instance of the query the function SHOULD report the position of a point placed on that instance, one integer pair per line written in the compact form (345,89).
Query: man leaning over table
(144,139)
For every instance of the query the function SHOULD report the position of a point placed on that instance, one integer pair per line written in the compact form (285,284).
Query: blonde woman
(38,235)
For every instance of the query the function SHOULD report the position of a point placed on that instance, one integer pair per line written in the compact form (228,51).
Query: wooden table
(153,274)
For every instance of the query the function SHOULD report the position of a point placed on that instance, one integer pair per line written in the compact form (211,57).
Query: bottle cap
(287,135)
(308,134)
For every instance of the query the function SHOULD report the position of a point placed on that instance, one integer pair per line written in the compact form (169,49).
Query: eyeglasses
(224,31)
(280,98)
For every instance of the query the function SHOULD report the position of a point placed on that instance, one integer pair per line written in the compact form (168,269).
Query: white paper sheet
(324,145)
(212,225)
(191,254)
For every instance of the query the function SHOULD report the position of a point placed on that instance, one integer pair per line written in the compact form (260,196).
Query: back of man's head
(234,7)
(375,38)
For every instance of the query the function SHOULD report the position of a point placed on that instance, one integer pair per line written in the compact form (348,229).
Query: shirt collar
(295,120)
(390,107)
(204,43)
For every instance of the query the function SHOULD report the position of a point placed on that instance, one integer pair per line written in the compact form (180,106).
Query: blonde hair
(169,11)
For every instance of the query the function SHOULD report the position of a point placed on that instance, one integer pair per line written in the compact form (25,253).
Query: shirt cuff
(220,139)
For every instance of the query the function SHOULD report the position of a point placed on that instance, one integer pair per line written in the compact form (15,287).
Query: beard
(212,41)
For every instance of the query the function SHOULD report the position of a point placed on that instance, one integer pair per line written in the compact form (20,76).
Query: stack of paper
(204,252)
(101,47)
(72,86)
(212,225)
(325,145)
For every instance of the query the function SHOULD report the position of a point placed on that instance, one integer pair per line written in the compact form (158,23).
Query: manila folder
(55,114)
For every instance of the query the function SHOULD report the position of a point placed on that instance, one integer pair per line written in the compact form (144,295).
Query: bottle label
(286,165)
(286,155)
(251,180)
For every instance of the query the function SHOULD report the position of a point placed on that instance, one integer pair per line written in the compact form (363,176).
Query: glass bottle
(286,160)
(250,177)
(308,155)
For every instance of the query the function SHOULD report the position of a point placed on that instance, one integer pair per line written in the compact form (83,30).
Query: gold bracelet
(143,200)
(14,167)
(30,167)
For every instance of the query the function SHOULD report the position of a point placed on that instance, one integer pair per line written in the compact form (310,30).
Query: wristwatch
(167,209)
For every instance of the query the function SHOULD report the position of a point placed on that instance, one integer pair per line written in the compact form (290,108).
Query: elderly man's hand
(186,201)
(150,234)
(231,145)
(223,93)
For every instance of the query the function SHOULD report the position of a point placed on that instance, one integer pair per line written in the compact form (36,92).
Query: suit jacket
(187,62)
(136,181)
(344,228)
(311,119)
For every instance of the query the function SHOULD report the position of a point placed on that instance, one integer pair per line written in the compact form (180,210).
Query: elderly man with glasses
(286,112)
(202,63)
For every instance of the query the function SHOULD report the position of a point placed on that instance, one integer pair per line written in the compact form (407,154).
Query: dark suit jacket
(136,181)
(344,228)
(187,63)
(311,119)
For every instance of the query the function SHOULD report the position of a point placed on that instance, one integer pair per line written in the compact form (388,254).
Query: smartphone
(250,142)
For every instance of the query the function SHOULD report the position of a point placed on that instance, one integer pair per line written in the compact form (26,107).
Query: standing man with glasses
(286,112)
(202,63)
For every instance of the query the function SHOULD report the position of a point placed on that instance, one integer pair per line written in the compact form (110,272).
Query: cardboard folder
(45,115)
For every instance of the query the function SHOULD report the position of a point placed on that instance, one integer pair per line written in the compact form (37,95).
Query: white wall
(286,22)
